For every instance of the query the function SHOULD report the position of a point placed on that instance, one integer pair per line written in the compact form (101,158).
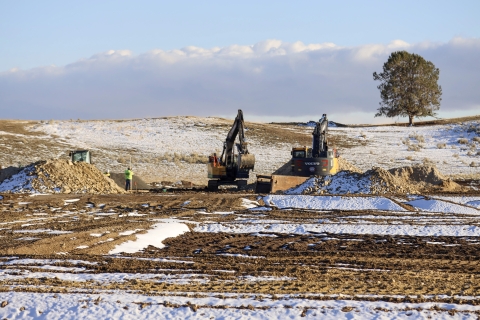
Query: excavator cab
(80,156)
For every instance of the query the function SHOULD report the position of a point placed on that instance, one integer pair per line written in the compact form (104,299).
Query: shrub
(463,141)
(428,162)
(476,139)
(417,137)
(409,158)
(441,145)
(473,164)
(415,147)
(456,155)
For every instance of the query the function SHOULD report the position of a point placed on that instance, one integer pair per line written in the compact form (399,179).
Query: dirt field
(84,229)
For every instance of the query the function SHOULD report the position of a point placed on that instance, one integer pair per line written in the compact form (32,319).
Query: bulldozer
(318,160)
(80,156)
(231,168)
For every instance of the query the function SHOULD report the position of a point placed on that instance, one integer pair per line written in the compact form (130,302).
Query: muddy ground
(391,268)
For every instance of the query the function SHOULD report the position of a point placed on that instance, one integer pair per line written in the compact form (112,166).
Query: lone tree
(409,87)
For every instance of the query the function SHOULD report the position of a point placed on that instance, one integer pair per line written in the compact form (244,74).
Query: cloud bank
(269,80)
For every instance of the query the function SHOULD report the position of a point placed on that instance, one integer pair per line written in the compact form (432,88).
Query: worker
(128,178)
(107,174)
(215,160)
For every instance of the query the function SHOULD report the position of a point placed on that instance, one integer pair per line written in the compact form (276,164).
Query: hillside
(176,148)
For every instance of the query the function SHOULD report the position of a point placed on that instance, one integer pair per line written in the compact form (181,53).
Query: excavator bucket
(274,183)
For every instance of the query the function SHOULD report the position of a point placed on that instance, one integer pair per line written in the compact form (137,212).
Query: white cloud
(268,79)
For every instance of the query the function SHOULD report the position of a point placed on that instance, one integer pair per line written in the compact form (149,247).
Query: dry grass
(417,137)
(188,158)
(441,145)
(415,147)
(428,162)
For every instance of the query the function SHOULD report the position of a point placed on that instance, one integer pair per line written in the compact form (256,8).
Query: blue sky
(35,35)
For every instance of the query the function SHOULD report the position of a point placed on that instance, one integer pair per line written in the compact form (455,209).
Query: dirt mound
(343,165)
(60,176)
(415,179)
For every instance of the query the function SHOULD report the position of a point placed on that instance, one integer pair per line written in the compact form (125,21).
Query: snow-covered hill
(175,148)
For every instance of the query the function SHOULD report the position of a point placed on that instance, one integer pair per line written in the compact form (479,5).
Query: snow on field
(456,220)
(399,228)
(465,200)
(154,237)
(20,182)
(154,138)
(387,146)
(208,306)
(331,202)
(77,275)
(433,205)
(151,139)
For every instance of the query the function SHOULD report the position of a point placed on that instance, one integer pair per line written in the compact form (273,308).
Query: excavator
(231,168)
(319,160)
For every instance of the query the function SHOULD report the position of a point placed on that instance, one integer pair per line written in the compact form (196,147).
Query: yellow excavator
(231,168)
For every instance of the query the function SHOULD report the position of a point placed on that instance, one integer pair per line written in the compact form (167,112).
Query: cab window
(299,154)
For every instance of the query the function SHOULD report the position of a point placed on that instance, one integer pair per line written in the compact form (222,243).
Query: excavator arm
(227,157)
(319,143)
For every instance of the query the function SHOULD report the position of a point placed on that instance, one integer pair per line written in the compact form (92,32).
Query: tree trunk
(410,120)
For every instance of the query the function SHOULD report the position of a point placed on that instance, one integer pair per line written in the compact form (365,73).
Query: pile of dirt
(410,179)
(344,165)
(60,176)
